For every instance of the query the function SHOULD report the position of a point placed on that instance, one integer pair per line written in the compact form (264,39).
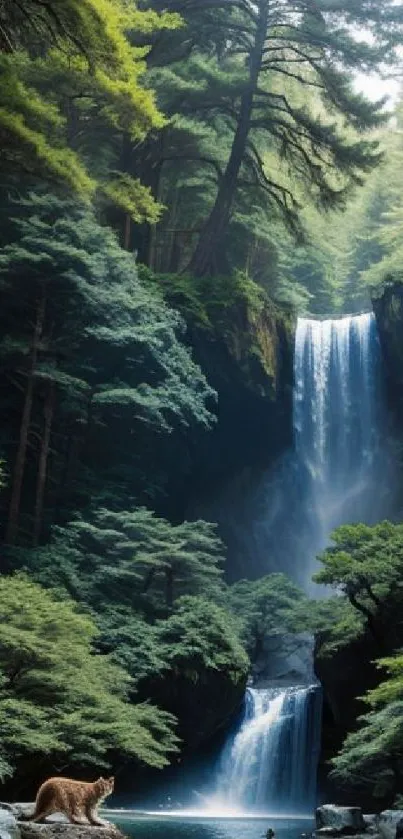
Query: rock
(20,810)
(342,821)
(8,824)
(65,830)
(390,824)
(371,823)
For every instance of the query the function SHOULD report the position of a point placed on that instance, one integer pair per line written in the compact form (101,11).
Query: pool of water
(198,827)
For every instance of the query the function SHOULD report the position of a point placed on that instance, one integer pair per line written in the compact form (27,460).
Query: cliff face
(388,308)
(250,366)
(244,345)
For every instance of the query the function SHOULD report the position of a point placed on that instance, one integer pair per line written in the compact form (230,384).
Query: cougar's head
(105,786)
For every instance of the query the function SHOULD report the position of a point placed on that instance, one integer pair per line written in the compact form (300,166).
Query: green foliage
(201,635)
(66,62)
(111,348)
(210,302)
(365,565)
(59,700)
(288,127)
(132,559)
(153,588)
(372,756)
(270,608)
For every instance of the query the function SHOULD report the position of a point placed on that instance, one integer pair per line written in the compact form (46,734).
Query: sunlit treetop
(68,67)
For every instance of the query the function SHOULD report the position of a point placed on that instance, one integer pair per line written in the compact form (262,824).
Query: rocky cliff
(388,308)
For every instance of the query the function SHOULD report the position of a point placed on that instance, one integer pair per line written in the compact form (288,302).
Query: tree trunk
(372,623)
(209,256)
(169,591)
(127,235)
(19,466)
(43,461)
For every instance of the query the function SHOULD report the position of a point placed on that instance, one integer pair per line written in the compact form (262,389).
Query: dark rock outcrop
(248,360)
(333,820)
(388,308)
(203,707)
(390,824)
(339,821)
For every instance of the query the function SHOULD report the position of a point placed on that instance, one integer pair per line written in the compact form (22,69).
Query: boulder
(390,824)
(332,831)
(342,821)
(371,823)
(8,825)
(65,830)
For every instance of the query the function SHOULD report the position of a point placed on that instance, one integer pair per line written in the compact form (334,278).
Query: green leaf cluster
(372,756)
(62,65)
(59,700)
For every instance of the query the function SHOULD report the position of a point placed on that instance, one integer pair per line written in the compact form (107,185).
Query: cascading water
(339,461)
(270,764)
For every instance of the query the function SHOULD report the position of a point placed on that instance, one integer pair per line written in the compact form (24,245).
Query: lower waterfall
(270,765)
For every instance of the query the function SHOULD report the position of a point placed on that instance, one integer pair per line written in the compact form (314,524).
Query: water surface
(175,827)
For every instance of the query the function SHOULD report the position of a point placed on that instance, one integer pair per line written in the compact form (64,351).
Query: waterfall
(340,468)
(339,471)
(270,764)
(340,461)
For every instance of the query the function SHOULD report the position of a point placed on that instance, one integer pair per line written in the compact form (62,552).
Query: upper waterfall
(337,424)
(340,468)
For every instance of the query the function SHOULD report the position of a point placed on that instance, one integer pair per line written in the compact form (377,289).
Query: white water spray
(270,764)
(340,461)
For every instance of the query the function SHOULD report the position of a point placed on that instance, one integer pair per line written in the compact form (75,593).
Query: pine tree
(64,63)
(86,344)
(317,49)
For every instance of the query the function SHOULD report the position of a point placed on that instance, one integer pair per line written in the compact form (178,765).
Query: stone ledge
(54,827)
(65,830)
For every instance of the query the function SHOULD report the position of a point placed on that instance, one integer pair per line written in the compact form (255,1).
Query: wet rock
(339,821)
(390,824)
(65,830)
(8,825)
(15,824)
(371,823)
(20,810)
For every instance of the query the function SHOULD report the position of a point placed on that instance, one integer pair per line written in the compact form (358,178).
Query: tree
(317,49)
(365,564)
(265,611)
(132,559)
(156,594)
(85,342)
(63,63)
(371,758)
(201,635)
(59,702)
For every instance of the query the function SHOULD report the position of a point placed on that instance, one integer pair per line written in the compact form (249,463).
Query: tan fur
(77,800)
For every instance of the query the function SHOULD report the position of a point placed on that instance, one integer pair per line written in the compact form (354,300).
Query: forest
(174,174)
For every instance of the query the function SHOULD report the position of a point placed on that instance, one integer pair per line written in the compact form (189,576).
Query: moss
(234,309)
